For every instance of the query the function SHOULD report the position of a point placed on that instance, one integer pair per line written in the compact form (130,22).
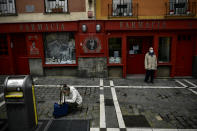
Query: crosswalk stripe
(102,107)
(194,85)
(117,107)
(181,83)
(111,83)
(101,82)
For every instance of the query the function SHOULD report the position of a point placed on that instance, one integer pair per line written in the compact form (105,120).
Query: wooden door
(184,56)
(19,52)
(137,47)
(5,56)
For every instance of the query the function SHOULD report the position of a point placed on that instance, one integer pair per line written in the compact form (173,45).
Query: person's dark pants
(149,73)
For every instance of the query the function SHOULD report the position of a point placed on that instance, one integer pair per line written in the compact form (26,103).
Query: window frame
(122,3)
(108,56)
(8,7)
(61,65)
(170,50)
(178,11)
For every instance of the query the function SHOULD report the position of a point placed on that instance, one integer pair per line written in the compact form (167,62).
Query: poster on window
(33,45)
(60,48)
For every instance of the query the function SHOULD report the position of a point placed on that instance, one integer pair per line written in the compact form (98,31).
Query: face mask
(151,51)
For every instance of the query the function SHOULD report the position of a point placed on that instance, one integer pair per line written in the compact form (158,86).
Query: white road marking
(192,91)
(1,95)
(94,129)
(147,87)
(139,129)
(187,129)
(84,86)
(113,129)
(102,112)
(165,129)
(102,107)
(194,85)
(117,107)
(181,83)
(111,83)
(52,86)
(2,103)
(48,125)
(101,82)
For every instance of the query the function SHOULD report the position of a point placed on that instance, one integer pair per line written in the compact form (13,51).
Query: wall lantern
(98,28)
(84,28)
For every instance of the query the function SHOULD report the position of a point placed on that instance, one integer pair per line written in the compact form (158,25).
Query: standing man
(150,65)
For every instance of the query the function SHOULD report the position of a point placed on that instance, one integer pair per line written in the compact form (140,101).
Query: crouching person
(72,97)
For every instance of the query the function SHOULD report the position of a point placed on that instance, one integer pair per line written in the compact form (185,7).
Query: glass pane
(164,49)
(60,48)
(135,46)
(115,50)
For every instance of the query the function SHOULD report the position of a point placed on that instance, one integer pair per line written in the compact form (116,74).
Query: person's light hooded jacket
(74,96)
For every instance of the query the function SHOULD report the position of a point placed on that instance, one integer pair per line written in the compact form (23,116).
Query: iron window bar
(56,6)
(8,8)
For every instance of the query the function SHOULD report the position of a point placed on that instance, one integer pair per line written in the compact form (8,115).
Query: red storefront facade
(107,48)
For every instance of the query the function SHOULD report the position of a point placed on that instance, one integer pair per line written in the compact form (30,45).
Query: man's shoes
(152,82)
(145,81)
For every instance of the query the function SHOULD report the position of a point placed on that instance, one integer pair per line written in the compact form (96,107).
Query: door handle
(11,45)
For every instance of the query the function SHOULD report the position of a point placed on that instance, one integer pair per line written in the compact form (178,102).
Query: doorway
(19,54)
(184,55)
(137,47)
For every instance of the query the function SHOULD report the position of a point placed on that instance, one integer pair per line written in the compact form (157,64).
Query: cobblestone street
(166,104)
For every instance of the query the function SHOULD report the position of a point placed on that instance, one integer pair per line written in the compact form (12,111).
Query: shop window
(115,50)
(164,49)
(56,6)
(59,48)
(135,46)
(3,45)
